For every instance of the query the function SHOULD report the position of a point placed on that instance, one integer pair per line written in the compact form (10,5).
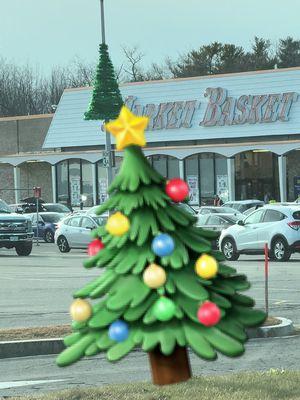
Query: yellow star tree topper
(128,129)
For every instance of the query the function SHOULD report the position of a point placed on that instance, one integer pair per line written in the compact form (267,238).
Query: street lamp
(107,135)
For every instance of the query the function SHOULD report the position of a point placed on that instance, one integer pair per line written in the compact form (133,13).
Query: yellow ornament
(81,310)
(154,276)
(117,224)
(206,266)
(128,129)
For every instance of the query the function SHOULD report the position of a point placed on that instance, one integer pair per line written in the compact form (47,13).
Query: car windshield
(4,208)
(99,220)
(51,218)
(59,208)
(92,210)
(187,208)
(227,210)
(232,219)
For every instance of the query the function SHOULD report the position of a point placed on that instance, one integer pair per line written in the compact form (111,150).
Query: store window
(206,175)
(87,183)
(293,175)
(167,166)
(74,180)
(256,175)
(102,178)
(62,176)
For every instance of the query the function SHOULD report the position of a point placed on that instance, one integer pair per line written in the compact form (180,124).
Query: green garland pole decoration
(106,99)
(195,302)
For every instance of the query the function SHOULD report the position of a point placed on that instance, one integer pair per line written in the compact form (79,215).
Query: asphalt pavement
(37,290)
(31,375)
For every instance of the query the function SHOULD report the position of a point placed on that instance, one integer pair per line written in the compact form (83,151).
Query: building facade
(236,135)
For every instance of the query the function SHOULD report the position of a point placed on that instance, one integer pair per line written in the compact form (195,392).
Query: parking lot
(37,290)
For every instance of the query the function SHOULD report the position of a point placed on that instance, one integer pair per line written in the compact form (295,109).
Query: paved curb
(285,328)
(39,347)
(27,348)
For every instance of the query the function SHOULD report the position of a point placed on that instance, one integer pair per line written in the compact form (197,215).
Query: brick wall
(36,174)
(7,182)
(31,174)
(23,134)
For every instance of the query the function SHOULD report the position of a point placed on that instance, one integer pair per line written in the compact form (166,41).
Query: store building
(236,135)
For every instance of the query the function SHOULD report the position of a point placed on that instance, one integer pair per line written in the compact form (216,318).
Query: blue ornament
(118,331)
(163,245)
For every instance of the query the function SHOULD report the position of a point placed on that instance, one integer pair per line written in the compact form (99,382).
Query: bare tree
(133,60)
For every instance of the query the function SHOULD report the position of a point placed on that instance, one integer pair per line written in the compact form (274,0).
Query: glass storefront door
(256,175)
(74,182)
(206,174)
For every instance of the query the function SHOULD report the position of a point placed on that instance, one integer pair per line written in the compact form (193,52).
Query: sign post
(37,194)
(267,278)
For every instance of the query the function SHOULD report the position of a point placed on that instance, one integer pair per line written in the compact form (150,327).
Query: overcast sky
(52,32)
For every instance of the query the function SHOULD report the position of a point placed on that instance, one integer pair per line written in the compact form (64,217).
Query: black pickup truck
(15,231)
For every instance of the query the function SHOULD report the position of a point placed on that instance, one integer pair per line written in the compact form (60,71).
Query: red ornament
(209,314)
(94,247)
(177,189)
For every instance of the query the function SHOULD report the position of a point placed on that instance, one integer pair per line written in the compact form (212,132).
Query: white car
(243,205)
(74,232)
(276,225)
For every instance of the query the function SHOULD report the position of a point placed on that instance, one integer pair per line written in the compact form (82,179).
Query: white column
(282,177)
(181,169)
(94,177)
(17,184)
(231,178)
(53,174)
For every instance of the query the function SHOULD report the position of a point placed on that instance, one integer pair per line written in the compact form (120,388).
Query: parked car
(217,222)
(251,209)
(26,208)
(188,208)
(48,223)
(204,210)
(56,207)
(243,205)
(276,225)
(74,232)
(15,231)
(185,206)
(18,208)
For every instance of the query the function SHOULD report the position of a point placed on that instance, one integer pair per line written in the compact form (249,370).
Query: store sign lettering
(171,115)
(221,110)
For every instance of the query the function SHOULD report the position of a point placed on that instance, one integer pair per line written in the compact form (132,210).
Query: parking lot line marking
(30,279)
(10,385)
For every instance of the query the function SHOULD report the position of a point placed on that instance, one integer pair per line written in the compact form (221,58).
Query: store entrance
(256,175)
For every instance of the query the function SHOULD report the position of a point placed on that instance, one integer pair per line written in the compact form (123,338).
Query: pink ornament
(209,314)
(177,189)
(94,247)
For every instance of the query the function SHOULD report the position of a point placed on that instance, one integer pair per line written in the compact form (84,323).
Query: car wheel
(49,237)
(63,244)
(280,250)
(229,249)
(24,249)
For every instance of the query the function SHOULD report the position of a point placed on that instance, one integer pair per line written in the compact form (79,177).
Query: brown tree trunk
(170,369)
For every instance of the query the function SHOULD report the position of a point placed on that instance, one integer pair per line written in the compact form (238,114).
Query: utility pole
(108,150)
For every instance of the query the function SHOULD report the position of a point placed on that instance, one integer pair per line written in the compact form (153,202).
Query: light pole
(107,135)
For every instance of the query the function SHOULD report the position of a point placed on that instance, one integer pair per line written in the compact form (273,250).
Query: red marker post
(267,278)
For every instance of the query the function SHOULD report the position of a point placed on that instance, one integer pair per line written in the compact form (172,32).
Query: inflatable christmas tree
(161,287)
